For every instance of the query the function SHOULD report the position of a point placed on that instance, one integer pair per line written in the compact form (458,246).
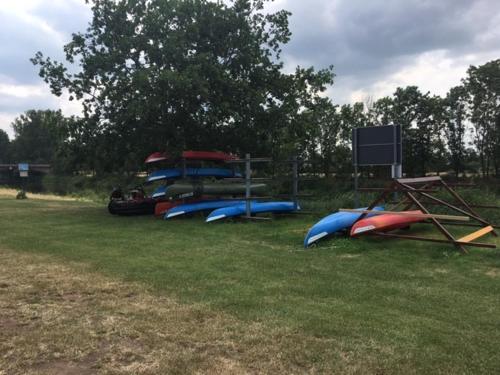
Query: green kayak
(184,189)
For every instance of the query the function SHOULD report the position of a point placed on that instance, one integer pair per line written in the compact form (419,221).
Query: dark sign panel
(377,145)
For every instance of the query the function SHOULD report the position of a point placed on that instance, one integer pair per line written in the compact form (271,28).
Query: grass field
(236,297)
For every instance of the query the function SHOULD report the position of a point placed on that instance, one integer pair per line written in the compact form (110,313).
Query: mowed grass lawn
(361,305)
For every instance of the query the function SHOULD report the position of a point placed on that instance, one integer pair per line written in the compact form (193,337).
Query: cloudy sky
(375,45)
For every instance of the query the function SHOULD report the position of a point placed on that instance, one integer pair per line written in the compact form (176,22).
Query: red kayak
(156,156)
(208,155)
(384,223)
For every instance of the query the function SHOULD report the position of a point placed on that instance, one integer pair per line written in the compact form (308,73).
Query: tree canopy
(197,74)
(183,74)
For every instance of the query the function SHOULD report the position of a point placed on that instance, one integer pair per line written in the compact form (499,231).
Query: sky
(375,46)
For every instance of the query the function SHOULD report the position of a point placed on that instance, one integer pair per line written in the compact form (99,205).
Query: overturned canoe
(384,223)
(255,208)
(331,224)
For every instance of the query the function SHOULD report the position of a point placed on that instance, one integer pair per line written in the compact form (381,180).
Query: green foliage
(183,74)
(483,88)
(455,129)
(39,137)
(4,147)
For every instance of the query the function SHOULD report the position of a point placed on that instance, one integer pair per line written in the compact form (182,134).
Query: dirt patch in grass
(64,319)
(13,193)
(493,272)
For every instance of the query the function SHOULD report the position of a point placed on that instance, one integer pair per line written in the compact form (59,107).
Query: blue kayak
(255,208)
(187,208)
(171,173)
(159,192)
(331,224)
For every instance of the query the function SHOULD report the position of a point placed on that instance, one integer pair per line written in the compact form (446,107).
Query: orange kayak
(384,223)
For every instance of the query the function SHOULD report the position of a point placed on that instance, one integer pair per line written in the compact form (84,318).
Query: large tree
(483,87)
(4,147)
(456,127)
(177,74)
(39,136)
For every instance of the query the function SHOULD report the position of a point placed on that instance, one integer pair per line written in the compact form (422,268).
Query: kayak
(255,208)
(159,192)
(187,189)
(331,224)
(162,207)
(208,155)
(156,156)
(200,206)
(384,223)
(172,173)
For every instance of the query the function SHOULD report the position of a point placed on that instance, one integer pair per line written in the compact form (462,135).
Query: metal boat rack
(247,161)
(417,193)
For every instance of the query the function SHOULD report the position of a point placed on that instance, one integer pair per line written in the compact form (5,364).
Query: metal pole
(184,168)
(356,194)
(248,173)
(295,181)
(355,160)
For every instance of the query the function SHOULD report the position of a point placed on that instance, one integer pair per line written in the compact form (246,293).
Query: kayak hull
(331,224)
(188,189)
(255,208)
(156,156)
(208,155)
(188,208)
(384,223)
(175,173)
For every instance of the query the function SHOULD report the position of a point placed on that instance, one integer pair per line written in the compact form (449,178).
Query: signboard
(23,169)
(377,145)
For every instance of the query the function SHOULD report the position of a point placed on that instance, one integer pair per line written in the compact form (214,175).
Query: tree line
(195,74)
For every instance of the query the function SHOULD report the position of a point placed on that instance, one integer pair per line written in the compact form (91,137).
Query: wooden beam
(417,238)
(453,207)
(411,214)
(418,180)
(479,233)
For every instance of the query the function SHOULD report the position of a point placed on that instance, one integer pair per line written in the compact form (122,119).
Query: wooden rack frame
(416,192)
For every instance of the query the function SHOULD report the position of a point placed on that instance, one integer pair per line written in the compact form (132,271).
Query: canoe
(331,224)
(186,189)
(173,173)
(200,206)
(156,156)
(255,208)
(384,223)
(208,155)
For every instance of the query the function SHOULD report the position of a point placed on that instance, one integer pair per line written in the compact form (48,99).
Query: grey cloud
(366,40)
(20,39)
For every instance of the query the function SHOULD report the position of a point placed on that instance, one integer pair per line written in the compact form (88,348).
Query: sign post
(377,145)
